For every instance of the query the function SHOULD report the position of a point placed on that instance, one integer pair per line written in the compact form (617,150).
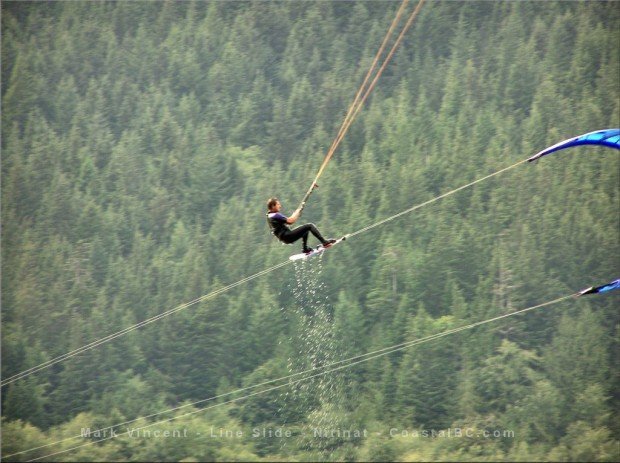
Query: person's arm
(294,216)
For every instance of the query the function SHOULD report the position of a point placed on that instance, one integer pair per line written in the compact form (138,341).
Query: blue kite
(607,137)
(601,289)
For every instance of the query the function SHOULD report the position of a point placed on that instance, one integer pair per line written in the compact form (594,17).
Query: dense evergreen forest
(140,142)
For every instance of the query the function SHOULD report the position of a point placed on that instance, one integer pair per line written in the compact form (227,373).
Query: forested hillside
(140,143)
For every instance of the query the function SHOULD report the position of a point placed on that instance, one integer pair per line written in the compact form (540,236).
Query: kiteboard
(320,249)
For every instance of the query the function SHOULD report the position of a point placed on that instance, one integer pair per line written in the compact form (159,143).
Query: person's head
(273,205)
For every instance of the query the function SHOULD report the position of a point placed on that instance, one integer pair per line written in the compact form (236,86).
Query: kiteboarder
(278,223)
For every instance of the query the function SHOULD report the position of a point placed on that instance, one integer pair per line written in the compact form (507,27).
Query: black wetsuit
(279,228)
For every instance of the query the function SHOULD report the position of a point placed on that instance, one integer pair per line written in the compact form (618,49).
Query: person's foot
(307,250)
(328,243)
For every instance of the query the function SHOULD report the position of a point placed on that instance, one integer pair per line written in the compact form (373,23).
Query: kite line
(148,321)
(224,289)
(329,368)
(365,88)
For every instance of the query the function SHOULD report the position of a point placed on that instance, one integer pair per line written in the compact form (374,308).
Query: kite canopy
(601,289)
(607,137)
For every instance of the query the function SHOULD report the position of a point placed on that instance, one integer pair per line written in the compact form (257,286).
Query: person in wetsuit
(278,223)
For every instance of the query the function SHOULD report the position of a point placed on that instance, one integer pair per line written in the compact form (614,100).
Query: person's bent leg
(315,231)
(302,232)
(293,235)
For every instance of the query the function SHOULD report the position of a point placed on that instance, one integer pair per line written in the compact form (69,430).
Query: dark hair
(272,202)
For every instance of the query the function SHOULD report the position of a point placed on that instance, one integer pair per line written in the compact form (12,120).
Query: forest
(140,143)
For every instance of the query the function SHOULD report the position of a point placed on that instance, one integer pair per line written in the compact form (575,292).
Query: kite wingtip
(600,289)
(536,157)
(584,291)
